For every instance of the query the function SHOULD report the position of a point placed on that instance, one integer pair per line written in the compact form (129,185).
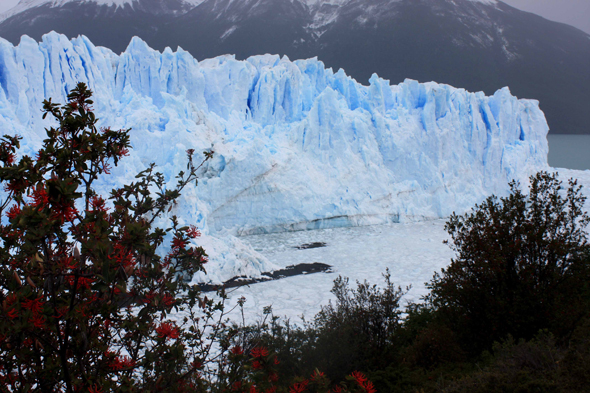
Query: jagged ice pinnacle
(296,145)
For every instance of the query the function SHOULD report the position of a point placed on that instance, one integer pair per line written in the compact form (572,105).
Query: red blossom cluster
(167,330)
(40,197)
(178,243)
(13,212)
(193,232)
(36,306)
(259,352)
(85,293)
(168,300)
(122,255)
(237,350)
(262,377)
(79,282)
(64,213)
(72,279)
(119,363)
(363,382)
(299,387)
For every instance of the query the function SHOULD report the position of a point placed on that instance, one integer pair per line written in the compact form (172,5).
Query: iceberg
(297,145)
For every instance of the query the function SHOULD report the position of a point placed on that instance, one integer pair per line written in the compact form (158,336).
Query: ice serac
(296,145)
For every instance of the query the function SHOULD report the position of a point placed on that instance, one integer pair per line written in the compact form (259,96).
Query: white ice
(411,251)
(297,145)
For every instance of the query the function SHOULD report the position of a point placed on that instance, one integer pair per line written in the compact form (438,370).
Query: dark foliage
(521,266)
(69,263)
(353,333)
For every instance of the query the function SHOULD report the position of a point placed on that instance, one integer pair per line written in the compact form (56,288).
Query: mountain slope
(478,45)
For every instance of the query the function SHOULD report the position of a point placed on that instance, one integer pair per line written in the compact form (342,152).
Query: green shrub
(356,332)
(85,293)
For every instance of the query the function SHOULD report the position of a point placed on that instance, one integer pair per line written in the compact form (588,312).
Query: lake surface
(569,151)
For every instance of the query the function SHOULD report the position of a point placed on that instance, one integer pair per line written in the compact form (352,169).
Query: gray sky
(7,4)
(572,12)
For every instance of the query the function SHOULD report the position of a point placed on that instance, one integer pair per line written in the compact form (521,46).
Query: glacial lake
(569,151)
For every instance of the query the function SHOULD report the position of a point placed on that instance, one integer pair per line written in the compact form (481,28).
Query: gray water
(569,151)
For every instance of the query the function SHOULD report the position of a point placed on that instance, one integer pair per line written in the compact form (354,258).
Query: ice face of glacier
(296,145)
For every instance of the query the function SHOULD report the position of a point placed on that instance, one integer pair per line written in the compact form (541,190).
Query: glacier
(297,145)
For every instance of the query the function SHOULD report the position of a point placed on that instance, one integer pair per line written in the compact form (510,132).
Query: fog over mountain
(474,44)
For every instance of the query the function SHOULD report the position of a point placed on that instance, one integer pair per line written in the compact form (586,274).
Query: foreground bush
(355,332)
(537,365)
(86,296)
(87,299)
(522,265)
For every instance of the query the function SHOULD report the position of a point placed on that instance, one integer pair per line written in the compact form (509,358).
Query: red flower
(122,362)
(193,232)
(82,309)
(317,374)
(40,197)
(298,387)
(196,364)
(149,297)
(10,300)
(69,262)
(178,243)
(97,204)
(360,377)
(259,352)
(123,152)
(60,312)
(168,300)
(13,212)
(119,362)
(369,388)
(8,158)
(38,321)
(363,382)
(64,214)
(167,330)
(237,350)
(16,185)
(257,365)
(122,255)
(83,282)
(35,305)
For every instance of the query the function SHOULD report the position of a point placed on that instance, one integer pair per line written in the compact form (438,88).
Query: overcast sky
(573,12)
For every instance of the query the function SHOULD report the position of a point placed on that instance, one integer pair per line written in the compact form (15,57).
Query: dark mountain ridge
(477,45)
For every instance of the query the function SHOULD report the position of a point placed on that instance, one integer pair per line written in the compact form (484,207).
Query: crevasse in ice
(296,145)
